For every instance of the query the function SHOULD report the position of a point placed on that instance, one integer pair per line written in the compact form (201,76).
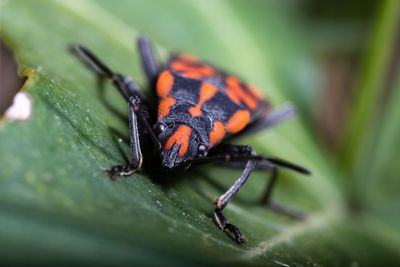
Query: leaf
(380,170)
(57,205)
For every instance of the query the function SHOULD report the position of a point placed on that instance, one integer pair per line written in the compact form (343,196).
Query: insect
(199,108)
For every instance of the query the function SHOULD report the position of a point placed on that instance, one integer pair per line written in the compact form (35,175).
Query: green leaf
(57,204)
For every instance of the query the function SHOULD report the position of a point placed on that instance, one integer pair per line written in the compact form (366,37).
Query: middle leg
(228,151)
(266,198)
(245,157)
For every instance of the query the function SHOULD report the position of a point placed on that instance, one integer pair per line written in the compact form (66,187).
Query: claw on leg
(223,224)
(120,170)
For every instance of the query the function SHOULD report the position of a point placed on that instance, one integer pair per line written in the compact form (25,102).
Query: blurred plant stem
(370,91)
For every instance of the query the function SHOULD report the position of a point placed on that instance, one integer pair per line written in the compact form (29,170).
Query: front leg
(266,199)
(239,156)
(224,199)
(139,110)
(228,152)
(127,87)
(136,153)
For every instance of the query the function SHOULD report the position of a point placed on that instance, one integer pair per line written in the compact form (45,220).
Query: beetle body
(198,108)
(200,105)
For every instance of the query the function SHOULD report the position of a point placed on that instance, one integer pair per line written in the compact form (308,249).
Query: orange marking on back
(238,121)
(232,95)
(217,133)
(181,137)
(188,58)
(192,70)
(207,91)
(193,74)
(236,93)
(164,83)
(255,90)
(164,106)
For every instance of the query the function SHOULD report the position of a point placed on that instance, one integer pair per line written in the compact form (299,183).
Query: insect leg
(227,150)
(150,63)
(224,199)
(266,198)
(230,156)
(216,155)
(136,153)
(126,86)
(274,206)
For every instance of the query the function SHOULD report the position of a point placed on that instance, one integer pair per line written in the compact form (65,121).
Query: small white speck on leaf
(281,263)
(21,108)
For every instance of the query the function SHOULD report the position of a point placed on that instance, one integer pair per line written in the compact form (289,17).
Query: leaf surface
(56,202)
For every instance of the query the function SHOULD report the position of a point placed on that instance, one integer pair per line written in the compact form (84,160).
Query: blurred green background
(338,62)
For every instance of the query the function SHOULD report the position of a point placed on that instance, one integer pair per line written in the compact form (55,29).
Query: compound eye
(159,128)
(202,150)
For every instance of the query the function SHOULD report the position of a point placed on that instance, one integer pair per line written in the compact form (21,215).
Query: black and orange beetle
(199,107)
